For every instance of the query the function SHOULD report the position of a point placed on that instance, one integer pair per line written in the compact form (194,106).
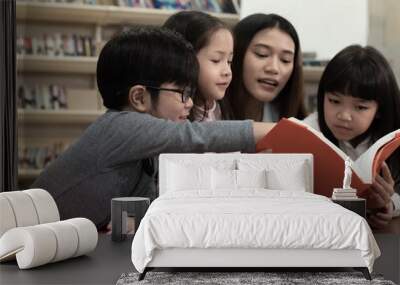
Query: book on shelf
(56,45)
(294,136)
(209,5)
(229,6)
(135,3)
(38,157)
(216,6)
(56,97)
(86,2)
(42,97)
(315,62)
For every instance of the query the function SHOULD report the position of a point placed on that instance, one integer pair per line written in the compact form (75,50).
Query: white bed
(247,210)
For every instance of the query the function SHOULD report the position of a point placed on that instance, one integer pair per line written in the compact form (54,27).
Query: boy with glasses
(146,77)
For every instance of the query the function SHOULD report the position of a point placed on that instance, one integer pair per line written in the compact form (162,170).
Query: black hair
(362,72)
(197,28)
(144,55)
(290,101)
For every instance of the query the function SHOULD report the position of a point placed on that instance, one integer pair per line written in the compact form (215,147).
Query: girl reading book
(358,103)
(267,81)
(213,44)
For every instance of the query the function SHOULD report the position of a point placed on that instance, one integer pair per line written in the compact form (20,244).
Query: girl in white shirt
(213,43)
(359,100)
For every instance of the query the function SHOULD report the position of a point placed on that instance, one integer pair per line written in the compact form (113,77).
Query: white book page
(364,161)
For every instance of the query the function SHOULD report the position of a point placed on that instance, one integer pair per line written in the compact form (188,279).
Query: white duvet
(250,219)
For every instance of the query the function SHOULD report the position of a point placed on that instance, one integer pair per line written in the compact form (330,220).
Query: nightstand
(357,205)
(121,209)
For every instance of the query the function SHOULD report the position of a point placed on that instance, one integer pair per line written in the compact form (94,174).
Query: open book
(294,136)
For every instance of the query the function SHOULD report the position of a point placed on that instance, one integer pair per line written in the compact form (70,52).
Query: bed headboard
(289,170)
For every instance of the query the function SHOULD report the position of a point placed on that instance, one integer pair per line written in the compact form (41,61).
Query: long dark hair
(197,28)
(290,101)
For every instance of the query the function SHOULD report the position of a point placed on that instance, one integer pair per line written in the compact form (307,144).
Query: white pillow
(251,178)
(183,177)
(227,179)
(223,179)
(281,174)
(292,179)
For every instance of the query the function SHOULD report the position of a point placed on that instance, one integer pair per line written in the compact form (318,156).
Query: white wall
(384,27)
(324,26)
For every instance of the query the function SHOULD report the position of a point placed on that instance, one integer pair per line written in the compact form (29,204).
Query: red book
(294,136)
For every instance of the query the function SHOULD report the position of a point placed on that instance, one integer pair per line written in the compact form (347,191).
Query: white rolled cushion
(23,208)
(87,235)
(67,240)
(7,218)
(183,177)
(40,244)
(45,205)
(223,179)
(33,246)
(251,178)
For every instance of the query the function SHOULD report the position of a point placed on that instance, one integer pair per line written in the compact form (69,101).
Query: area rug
(269,278)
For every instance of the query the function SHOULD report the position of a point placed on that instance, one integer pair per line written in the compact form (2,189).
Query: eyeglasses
(186,93)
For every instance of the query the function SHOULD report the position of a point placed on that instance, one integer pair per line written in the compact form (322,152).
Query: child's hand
(381,190)
(382,217)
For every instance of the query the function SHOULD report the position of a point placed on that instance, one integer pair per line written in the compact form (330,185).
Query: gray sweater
(107,160)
